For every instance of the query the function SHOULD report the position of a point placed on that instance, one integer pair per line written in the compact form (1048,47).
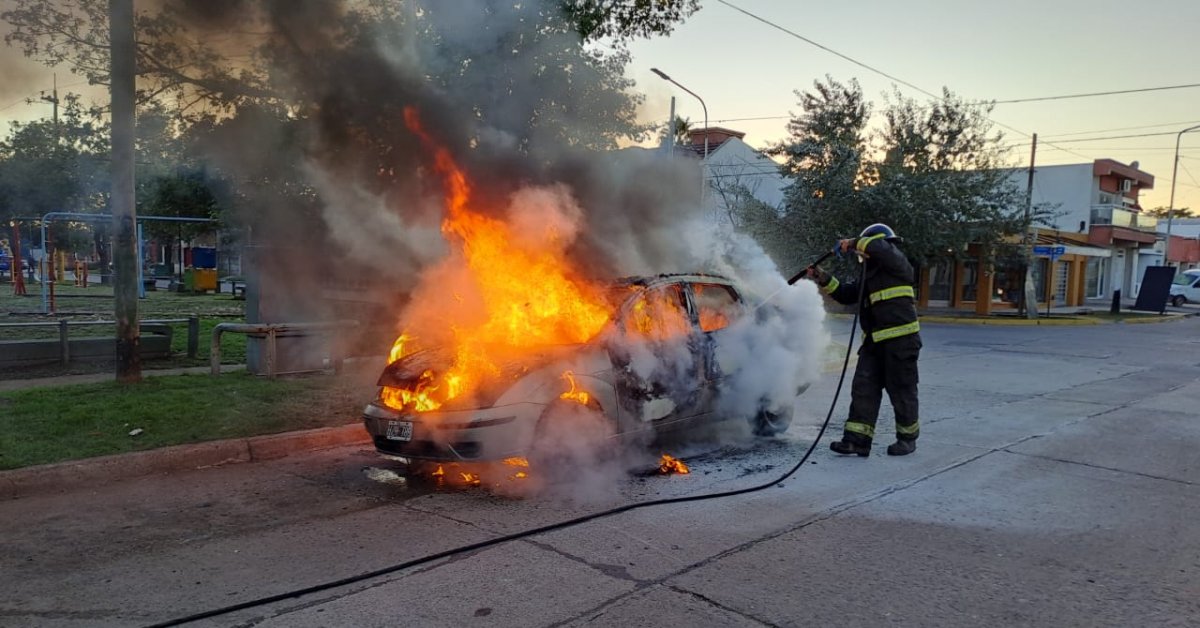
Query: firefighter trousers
(892,366)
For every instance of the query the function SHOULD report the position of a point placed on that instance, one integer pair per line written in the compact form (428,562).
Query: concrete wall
(13,353)
(1071,186)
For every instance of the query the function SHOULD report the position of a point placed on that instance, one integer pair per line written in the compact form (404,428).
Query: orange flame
(528,297)
(470,478)
(670,464)
(573,395)
(517,461)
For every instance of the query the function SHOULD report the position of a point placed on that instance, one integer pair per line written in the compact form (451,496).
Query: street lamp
(1171,208)
(664,77)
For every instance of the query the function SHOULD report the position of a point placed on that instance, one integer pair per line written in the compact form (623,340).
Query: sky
(744,68)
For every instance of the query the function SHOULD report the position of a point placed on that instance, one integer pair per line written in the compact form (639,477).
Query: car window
(716,304)
(658,314)
(1185,280)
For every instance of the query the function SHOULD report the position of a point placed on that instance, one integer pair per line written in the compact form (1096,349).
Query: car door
(1192,292)
(717,305)
(656,355)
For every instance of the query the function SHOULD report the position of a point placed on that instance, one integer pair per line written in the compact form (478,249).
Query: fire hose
(499,540)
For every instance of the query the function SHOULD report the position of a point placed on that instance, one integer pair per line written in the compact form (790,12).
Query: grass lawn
(53,424)
(97,301)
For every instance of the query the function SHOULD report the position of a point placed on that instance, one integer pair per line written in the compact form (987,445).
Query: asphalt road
(1056,484)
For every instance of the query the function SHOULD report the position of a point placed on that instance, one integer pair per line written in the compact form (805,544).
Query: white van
(1186,287)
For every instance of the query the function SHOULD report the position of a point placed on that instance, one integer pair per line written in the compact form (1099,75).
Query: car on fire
(513,414)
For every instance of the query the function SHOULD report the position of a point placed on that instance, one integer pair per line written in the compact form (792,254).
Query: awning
(1088,251)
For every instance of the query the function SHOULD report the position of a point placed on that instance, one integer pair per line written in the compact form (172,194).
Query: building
(1184,249)
(733,169)
(1100,241)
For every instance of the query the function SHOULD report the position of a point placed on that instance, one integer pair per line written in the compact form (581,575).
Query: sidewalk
(9,385)
(1093,312)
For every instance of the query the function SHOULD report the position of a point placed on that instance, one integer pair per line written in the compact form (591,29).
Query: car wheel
(767,423)
(1178,300)
(571,437)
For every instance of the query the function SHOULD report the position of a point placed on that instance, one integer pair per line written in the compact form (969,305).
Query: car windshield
(1186,279)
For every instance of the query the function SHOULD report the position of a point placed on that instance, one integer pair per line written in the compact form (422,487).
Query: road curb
(1014,322)
(102,470)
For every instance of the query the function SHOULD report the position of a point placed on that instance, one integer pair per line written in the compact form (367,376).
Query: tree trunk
(122,88)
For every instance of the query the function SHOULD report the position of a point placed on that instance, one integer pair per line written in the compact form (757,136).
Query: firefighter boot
(847,447)
(902,447)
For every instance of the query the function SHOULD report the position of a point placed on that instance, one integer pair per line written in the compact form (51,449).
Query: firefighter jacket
(888,307)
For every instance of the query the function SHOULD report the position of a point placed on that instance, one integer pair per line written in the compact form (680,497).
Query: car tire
(569,437)
(767,423)
(1178,300)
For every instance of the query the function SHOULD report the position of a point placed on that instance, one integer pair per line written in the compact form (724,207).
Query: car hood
(408,371)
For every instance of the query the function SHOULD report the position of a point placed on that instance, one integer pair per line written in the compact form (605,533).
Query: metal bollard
(193,337)
(64,344)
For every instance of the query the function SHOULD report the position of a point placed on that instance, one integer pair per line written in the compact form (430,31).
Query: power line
(35,92)
(755,118)
(825,48)
(1109,137)
(1127,128)
(1092,94)
(877,71)
(1189,174)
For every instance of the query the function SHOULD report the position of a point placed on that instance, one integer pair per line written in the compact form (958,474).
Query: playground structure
(52,272)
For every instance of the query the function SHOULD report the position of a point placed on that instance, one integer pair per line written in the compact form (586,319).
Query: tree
(173,58)
(942,181)
(1165,212)
(934,172)
(680,132)
(48,166)
(625,19)
(825,156)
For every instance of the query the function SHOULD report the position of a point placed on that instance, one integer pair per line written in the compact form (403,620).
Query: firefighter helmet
(880,228)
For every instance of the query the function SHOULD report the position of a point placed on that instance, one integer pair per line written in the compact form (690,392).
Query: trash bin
(189,280)
(204,279)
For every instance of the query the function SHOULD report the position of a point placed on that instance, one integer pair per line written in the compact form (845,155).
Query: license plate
(399,430)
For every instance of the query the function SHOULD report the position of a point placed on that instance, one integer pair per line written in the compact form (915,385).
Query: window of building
(941,278)
(970,283)
(1039,278)
(1097,268)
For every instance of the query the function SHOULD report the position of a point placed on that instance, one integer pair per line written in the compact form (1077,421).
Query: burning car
(653,366)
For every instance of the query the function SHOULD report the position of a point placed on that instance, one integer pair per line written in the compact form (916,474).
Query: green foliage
(934,172)
(625,19)
(1165,212)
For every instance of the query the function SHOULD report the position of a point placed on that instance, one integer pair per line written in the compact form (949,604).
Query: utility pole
(124,209)
(671,129)
(53,100)
(1029,294)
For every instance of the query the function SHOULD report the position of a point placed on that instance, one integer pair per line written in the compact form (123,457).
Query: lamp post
(664,77)
(703,106)
(1171,208)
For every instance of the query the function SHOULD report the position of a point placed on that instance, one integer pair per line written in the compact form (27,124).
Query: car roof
(670,278)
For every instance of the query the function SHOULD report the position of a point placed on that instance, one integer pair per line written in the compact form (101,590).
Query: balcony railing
(1118,216)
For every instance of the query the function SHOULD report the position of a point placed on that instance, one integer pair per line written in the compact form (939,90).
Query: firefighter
(887,358)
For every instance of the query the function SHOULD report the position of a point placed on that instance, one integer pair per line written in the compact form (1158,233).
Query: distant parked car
(1186,288)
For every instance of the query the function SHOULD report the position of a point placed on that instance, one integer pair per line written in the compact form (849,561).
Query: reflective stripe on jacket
(888,307)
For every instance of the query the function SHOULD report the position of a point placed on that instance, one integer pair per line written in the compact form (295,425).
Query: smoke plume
(526,114)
